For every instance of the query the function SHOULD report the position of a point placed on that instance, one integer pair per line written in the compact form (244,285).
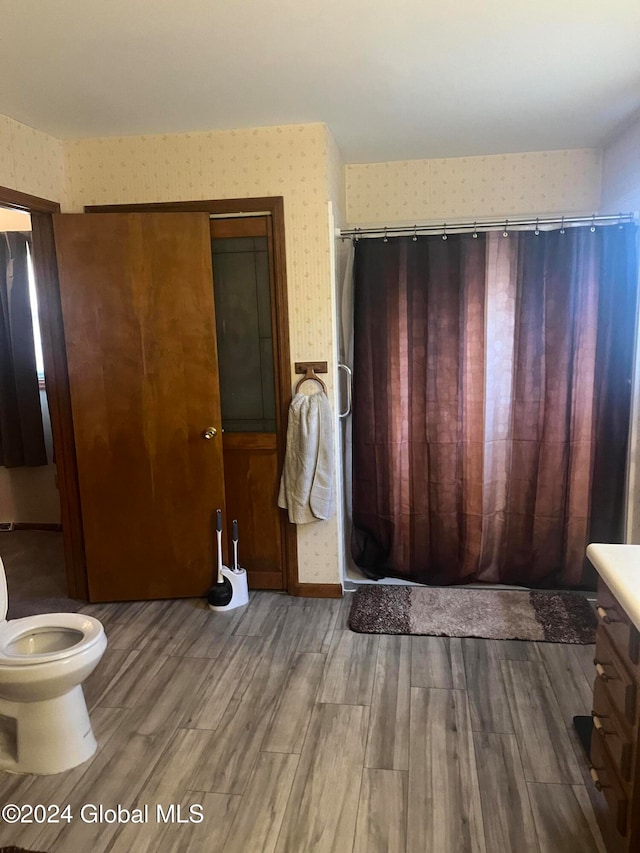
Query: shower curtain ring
(537,231)
(620,225)
(475,231)
(385,239)
(593,223)
(415,233)
(505,233)
(562,225)
(444,231)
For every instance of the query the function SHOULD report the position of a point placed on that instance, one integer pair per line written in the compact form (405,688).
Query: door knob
(209,432)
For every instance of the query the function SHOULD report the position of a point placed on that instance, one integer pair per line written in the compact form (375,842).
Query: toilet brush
(221,592)
(234,539)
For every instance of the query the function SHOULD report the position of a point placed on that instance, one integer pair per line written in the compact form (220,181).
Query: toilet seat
(89,629)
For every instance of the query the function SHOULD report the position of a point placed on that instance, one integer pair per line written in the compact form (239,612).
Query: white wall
(621,194)
(30,495)
(621,172)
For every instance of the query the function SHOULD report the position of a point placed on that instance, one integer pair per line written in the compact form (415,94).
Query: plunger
(221,592)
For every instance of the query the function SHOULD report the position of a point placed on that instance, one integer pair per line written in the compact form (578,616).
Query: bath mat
(552,617)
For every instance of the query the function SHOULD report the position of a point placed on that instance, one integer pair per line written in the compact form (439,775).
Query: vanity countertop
(619,568)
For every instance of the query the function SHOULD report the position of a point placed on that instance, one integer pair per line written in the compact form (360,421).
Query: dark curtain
(491,403)
(21,431)
(418,407)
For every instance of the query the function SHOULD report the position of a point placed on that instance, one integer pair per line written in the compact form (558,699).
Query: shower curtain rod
(482,225)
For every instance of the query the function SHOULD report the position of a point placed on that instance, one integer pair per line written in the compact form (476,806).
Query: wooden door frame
(54,354)
(274,205)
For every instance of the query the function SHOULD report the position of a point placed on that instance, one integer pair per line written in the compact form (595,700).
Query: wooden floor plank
(258,616)
(437,662)
(545,746)
(210,835)
(560,821)
(572,690)
(382,812)
(444,811)
(114,663)
(237,662)
(584,801)
(261,810)
(187,714)
(342,622)
(166,786)
(514,649)
(183,622)
(320,620)
(322,810)
(226,769)
(388,741)
(210,640)
(127,761)
(131,681)
(137,633)
(506,811)
(485,686)
(296,703)
(350,669)
(585,655)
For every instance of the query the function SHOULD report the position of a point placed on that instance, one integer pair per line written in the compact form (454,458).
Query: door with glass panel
(241,249)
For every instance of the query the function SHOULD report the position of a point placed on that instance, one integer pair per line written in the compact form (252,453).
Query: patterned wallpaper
(621,172)
(288,161)
(30,161)
(304,165)
(410,191)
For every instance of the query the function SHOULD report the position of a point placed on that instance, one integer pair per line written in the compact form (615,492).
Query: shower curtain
(21,430)
(491,403)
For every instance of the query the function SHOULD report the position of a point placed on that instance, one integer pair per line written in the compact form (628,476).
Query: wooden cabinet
(614,756)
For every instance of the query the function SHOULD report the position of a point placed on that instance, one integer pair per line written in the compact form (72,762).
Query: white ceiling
(393,79)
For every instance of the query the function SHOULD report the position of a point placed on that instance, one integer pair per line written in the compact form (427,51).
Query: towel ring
(310,374)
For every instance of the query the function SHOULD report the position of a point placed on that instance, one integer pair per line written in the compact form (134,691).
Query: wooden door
(139,325)
(245,316)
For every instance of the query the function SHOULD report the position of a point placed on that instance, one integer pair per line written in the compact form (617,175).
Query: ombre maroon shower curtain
(491,403)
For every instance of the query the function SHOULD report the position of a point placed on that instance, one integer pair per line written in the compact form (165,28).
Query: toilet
(44,722)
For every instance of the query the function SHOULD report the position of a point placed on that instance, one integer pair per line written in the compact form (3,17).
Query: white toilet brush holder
(240,589)
(231,589)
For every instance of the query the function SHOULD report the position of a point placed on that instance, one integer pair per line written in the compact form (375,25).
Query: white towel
(307,482)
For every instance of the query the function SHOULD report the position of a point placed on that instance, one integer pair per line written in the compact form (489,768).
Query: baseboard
(317,590)
(27,525)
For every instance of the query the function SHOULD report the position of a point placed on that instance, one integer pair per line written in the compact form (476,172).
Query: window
(33,296)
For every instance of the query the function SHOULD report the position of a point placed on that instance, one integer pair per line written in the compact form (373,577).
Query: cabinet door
(140,334)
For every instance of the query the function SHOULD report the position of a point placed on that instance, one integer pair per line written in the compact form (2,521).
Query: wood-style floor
(296,735)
